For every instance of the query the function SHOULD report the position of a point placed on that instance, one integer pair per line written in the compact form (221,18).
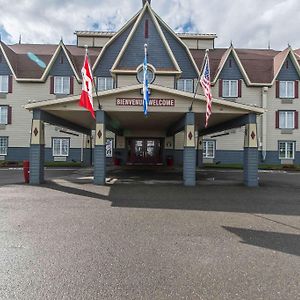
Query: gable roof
(146,8)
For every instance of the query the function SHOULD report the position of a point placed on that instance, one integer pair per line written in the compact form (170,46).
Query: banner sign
(139,102)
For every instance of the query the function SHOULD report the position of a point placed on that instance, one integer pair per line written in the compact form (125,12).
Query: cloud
(248,23)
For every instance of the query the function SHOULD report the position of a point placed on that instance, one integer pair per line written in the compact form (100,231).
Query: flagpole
(95,87)
(197,85)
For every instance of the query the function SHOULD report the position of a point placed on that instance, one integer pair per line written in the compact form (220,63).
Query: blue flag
(145,84)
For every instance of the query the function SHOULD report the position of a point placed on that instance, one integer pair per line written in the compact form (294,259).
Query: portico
(152,137)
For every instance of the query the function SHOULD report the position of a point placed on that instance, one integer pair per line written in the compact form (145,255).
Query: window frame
(105,83)
(60,147)
(61,85)
(286,96)
(286,150)
(230,95)
(140,73)
(4,106)
(185,81)
(205,149)
(285,112)
(5,91)
(6,138)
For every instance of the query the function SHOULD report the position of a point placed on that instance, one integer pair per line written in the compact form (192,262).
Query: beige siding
(167,81)
(274,135)
(19,131)
(82,41)
(125,80)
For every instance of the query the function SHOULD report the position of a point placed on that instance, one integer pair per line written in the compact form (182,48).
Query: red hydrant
(26,170)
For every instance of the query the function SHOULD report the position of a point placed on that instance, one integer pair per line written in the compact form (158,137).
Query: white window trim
(60,147)
(285,119)
(61,92)
(4,137)
(6,121)
(285,96)
(7,87)
(106,88)
(286,149)
(205,149)
(185,83)
(230,94)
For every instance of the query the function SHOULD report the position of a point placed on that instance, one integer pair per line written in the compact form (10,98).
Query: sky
(245,23)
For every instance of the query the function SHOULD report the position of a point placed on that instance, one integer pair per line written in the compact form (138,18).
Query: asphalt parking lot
(145,236)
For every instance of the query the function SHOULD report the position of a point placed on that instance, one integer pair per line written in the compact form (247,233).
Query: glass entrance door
(144,151)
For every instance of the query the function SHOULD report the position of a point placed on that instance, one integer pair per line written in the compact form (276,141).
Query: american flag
(205,83)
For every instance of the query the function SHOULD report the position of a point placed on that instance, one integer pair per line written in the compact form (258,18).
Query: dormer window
(287,89)
(4,79)
(230,89)
(105,83)
(61,85)
(186,85)
(150,75)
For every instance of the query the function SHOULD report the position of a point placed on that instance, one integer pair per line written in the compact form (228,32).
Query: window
(286,119)
(61,85)
(186,85)
(230,88)
(3,145)
(209,149)
(105,83)
(286,150)
(3,115)
(150,75)
(60,147)
(4,83)
(286,89)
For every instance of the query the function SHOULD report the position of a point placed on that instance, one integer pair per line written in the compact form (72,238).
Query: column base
(36,164)
(189,166)
(251,167)
(100,165)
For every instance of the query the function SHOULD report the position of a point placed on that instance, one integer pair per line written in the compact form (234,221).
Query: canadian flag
(86,98)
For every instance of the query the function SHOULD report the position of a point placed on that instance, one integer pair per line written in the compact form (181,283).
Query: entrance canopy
(124,109)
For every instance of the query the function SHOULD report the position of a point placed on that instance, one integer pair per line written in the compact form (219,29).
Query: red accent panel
(10,83)
(239,88)
(146,29)
(9,114)
(296,89)
(51,85)
(296,120)
(277,119)
(220,88)
(277,89)
(71,85)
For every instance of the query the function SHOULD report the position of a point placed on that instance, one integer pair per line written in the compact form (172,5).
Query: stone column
(37,149)
(189,152)
(99,149)
(251,153)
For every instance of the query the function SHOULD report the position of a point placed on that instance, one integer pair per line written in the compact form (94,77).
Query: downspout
(264,122)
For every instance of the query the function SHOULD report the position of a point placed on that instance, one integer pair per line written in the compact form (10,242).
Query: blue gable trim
(61,69)
(157,53)
(231,72)
(111,52)
(4,67)
(181,55)
(289,73)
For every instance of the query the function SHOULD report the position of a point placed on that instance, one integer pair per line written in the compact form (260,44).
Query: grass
(17,164)
(261,167)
